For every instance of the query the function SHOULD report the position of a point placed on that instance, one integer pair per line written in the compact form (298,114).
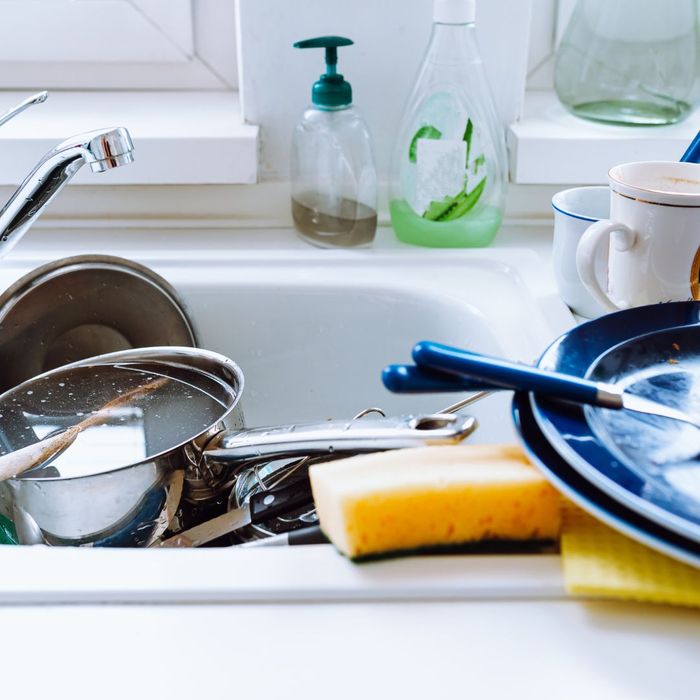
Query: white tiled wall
(390,38)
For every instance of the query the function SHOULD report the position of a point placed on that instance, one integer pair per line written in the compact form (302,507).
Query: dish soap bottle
(449,160)
(334,183)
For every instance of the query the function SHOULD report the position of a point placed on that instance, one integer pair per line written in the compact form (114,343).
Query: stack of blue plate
(640,474)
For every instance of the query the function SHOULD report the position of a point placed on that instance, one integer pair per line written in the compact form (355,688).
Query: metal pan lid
(131,407)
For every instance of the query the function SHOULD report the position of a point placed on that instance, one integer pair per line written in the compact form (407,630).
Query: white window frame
(118,44)
(168,72)
(549,20)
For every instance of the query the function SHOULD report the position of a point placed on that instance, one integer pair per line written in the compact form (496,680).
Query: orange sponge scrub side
(431,496)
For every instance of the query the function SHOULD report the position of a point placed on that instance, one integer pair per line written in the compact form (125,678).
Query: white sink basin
(312,330)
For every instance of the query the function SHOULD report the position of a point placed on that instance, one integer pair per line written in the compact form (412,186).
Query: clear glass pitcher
(628,61)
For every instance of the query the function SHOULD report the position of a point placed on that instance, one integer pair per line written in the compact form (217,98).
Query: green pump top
(331,90)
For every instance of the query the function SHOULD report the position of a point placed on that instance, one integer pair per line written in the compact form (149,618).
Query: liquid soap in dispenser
(449,159)
(333,179)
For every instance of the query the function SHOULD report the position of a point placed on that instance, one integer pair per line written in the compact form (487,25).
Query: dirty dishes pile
(123,478)
(114,431)
(638,472)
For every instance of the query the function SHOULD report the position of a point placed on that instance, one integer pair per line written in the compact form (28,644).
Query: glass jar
(628,61)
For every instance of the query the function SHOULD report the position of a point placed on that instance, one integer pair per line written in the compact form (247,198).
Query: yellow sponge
(430,496)
(601,562)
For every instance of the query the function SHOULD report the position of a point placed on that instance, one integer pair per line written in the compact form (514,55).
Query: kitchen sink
(311,330)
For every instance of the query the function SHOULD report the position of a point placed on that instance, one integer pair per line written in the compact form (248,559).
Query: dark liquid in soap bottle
(352,224)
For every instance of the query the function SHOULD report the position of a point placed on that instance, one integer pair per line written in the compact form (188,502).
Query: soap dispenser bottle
(447,185)
(333,179)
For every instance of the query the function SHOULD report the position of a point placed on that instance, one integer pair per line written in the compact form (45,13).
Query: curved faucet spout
(103,149)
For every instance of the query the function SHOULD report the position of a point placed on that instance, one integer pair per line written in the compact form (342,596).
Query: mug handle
(622,237)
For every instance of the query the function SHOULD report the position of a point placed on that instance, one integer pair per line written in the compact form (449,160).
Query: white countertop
(480,649)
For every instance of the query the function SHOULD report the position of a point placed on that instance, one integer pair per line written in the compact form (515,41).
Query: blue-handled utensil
(692,153)
(512,375)
(410,379)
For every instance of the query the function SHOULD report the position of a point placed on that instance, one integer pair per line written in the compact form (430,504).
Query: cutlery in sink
(260,508)
(470,371)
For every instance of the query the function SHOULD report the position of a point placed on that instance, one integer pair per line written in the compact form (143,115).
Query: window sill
(550,146)
(179,137)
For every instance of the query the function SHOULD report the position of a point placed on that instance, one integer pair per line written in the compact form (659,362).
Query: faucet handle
(33,100)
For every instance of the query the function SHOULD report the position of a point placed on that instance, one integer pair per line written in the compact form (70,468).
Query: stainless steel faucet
(103,149)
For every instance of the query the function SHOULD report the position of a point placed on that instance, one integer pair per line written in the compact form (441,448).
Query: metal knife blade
(641,405)
(211,529)
(262,506)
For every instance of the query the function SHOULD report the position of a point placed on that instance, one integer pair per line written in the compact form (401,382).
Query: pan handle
(240,449)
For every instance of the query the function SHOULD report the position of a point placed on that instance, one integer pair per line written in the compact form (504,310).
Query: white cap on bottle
(454,11)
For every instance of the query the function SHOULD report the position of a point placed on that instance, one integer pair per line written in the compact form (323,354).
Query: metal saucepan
(121,482)
(83,306)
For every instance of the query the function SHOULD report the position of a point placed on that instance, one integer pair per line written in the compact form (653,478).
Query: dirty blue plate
(595,501)
(649,466)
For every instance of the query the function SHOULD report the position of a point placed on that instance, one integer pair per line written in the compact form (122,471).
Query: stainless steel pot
(83,306)
(133,503)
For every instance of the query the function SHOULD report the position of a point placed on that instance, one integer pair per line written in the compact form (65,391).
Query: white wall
(390,38)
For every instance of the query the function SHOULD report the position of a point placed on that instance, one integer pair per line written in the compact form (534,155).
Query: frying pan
(120,484)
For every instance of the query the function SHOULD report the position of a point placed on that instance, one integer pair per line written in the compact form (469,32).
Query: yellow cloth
(601,562)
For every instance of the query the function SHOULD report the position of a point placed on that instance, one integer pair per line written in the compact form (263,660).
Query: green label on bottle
(443,176)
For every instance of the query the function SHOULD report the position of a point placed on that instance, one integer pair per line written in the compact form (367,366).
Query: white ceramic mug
(653,236)
(575,210)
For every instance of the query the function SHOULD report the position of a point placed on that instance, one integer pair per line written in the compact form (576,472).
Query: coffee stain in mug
(683,180)
(695,277)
